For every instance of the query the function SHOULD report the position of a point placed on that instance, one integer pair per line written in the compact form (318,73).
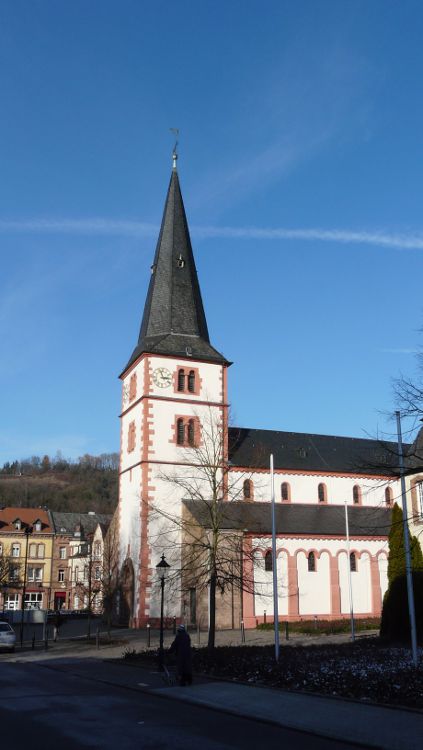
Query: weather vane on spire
(175,132)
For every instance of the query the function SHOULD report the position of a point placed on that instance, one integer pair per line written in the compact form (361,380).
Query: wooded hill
(90,483)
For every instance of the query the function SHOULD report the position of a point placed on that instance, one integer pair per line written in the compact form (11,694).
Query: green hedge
(395,625)
(325,627)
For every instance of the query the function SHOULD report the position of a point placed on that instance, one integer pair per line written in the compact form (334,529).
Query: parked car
(7,636)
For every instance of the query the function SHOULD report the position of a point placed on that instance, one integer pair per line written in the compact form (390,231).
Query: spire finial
(175,132)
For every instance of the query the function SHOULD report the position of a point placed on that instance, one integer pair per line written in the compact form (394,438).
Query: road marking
(141,722)
(143,684)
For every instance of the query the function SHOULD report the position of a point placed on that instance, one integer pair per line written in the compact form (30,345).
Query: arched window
(180,432)
(388,496)
(191,433)
(353,562)
(181,380)
(311,561)
(191,381)
(321,493)
(268,561)
(247,489)
(285,492)
(356,495)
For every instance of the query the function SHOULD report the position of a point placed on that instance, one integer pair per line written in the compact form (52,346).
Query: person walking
(56,625)
(181,647)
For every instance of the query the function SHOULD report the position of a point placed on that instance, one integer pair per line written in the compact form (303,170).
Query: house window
(191,433)
(18,524)
(180,432)
(40,550)
(353,562)
(356,495)
(131,437)
(285,492)
(311,562)
(33,550)
(191,381)
(61,575)
(35,574)
(181,380)
(97,574)
(322,493)
(62,553)
(97,549)
(76,602)
(268,561)
(11,601)
(76,574)
(37,526)
(16,550)
(33,601)
(14,573)
(85,572)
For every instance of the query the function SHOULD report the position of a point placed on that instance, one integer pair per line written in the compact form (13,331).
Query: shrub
(395,625)
(324,627)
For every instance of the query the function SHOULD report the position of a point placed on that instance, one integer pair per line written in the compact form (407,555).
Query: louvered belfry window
(180,429)
(191,381)
(191,433)
(181,380)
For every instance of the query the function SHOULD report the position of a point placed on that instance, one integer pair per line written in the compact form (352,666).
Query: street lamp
(162,571)
(4,589)
(27,531)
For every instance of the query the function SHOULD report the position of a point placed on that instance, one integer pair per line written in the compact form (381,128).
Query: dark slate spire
(174,322)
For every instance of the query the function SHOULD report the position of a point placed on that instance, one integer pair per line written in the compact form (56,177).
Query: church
(175,401)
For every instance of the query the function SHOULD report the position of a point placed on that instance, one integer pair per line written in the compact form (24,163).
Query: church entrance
(127,587)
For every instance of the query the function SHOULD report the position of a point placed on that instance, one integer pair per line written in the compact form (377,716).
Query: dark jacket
(181,647)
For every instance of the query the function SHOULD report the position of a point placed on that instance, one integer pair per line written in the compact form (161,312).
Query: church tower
(172,382)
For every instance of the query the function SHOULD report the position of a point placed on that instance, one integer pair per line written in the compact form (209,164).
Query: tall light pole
(410,593)
(27,531)
(347,535)
(162,571)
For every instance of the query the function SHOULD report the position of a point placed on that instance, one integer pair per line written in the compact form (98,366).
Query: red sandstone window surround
(353,563)
(356,495)
(187,432)
(131,437)
(247,489)
(285,492)
(133,387)
(311,562)
(187,380)
(388,496)
(322,494)
(268,561)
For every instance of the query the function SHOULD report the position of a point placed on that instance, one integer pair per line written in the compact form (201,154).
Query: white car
(7,636)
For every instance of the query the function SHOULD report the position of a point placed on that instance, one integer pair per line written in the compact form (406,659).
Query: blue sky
(301,169)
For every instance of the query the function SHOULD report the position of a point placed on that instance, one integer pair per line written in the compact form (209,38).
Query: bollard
(264,617)
(97,638)
(286,631)
(174,625)
(148,635)
(33,641)
(315,621)
(242,632)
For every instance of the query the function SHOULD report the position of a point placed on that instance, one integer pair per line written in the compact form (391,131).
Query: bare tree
(110,571)
(204,530)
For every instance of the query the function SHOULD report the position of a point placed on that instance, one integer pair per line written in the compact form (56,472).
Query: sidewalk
(343,720)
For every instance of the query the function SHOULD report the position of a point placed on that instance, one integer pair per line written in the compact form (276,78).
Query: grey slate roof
(65,523)
(298,451)
(174,321)
(299,519)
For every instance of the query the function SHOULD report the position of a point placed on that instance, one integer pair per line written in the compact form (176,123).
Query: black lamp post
(27,531)
(4,589)
(162,572)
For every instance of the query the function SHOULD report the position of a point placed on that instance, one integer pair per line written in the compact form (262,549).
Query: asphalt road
(66,704)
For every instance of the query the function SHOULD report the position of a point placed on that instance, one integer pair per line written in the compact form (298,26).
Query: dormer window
(37,525)
(18,524)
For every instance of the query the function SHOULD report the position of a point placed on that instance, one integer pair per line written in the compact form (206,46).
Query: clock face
(162,377)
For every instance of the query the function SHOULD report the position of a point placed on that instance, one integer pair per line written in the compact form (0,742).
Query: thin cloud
(399,351)
(99,226)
